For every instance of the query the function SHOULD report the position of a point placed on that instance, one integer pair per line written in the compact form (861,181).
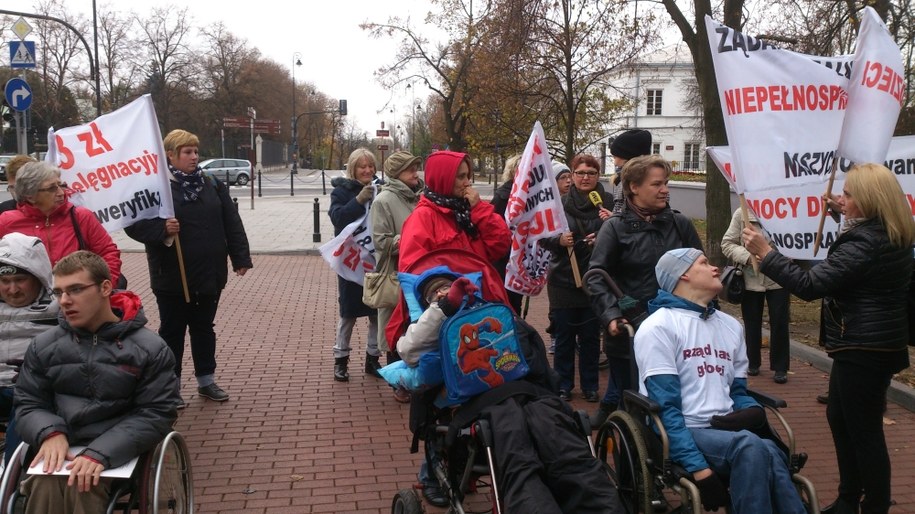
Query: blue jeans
(756,469)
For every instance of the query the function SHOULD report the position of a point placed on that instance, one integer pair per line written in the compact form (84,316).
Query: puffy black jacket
(628,248)
(581,222)
(211,230)
(864,283)
(114,391)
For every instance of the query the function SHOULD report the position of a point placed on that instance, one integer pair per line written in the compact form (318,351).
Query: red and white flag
(534,212)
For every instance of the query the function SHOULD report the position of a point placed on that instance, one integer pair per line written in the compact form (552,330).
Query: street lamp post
(296,61)
(413,107)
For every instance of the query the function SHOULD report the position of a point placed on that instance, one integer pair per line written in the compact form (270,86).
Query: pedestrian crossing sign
(22,54)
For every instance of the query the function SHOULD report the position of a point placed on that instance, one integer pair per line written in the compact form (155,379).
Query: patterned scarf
(645,214)
(191,184)
(460,207)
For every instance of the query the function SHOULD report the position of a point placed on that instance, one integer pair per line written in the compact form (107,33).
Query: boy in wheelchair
(692,361)
(100,380)
(543,462)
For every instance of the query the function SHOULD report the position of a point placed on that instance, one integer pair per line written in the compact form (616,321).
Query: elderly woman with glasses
(44,211)
(573,321)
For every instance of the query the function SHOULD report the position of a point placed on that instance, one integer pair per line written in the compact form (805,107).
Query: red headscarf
(441,169)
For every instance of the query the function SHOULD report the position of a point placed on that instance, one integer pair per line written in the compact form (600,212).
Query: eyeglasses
(586,173)
(54,188)
(72,291)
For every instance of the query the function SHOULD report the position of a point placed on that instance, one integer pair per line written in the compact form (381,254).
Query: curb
(898,393)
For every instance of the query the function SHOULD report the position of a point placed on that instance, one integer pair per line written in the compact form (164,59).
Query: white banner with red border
(352,253)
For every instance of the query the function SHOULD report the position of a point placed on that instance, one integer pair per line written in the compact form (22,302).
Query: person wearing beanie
(396,201)
(563,177)
(450,214)
(628,145)
(693,362)
(348,202)
(627,248)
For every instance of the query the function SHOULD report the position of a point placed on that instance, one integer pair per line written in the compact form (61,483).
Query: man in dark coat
(207,229)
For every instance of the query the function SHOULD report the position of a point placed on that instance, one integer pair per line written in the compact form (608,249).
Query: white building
(662,89)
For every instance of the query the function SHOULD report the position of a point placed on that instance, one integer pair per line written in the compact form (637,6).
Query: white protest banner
(875,93)
(791,215)
(116,165)
(783,111)
(352,253)
(534,211)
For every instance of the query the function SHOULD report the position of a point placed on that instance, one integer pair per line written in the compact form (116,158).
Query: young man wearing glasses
(99,380)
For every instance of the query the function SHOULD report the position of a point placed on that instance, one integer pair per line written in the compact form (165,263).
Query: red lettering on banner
(883,78)
(911,202)
(542,222)
(810,97)
(352,258)
(781,208)
(814,205)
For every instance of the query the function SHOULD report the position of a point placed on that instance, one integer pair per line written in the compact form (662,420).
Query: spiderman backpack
(480,350)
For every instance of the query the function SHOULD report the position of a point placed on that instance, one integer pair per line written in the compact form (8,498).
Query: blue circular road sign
(18,94)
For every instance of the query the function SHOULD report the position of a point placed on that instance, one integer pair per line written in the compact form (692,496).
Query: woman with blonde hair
(864,284)
(348,202)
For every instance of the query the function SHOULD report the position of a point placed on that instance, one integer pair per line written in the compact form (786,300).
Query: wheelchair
(161,483)
(639,458)
(461,458)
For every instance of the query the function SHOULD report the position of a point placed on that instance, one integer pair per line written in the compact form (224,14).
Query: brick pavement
(291,440)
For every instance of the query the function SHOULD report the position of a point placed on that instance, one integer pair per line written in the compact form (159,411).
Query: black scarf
(460,207)
(578,203)
(191,184)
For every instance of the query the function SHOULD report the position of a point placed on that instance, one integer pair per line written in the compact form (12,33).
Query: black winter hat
(632,143)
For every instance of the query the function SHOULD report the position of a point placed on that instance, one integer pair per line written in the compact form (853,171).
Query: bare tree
(165,35)
(119,59)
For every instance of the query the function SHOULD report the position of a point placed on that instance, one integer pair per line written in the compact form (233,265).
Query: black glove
(713,492)
(366,194)
(459,288)
(751,418)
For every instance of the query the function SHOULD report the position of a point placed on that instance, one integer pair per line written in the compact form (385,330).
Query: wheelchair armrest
(641,401)
(767,400)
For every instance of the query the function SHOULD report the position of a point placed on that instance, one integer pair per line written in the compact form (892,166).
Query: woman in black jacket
(864,283)
(628,247)
(573,321)
(348,203)
(210,231)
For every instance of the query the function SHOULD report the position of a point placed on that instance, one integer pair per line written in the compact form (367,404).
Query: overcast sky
(337,56)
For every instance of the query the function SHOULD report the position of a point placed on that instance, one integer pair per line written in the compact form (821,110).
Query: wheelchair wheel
(621,446)
(167,483)
(406,502)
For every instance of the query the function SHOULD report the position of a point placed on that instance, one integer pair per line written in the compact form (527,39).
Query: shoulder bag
(733,282)
(381,289)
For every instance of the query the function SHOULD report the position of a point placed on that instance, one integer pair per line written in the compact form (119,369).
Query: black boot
(841,506)
(372,365)
(601,415)
(340,373)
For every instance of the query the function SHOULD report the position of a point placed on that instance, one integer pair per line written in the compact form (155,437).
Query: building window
(654,102)
(691,156)
(656,148)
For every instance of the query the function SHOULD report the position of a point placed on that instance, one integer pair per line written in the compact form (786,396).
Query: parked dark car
(233,171)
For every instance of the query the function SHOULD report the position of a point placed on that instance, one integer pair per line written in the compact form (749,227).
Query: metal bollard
(291,186)
(235,202)
(227,178)
(259,192)
(316,237)
(323,183)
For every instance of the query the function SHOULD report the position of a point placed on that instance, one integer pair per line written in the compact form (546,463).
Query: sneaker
(180,405)
(604,363)
(434,495)
(552,349)
(213,392)
(401,395)
(753,372)
(565,395)
(823,398)
(780,377)
(590,396)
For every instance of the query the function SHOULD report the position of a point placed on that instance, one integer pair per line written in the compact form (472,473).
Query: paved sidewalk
(291,440)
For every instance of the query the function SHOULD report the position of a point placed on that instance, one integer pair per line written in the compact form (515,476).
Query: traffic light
(342,107)
(7,112)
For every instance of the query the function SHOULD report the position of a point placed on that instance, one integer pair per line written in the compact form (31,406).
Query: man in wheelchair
(543,462)
(26,308)
(99,380)
(692,361)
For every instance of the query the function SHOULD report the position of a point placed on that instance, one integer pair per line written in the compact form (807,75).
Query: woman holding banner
(573,320)
(187,259)
(44,211)
(864,284)
(627,248)
(349,201)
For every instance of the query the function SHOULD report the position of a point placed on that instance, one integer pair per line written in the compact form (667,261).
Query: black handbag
(734,285)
